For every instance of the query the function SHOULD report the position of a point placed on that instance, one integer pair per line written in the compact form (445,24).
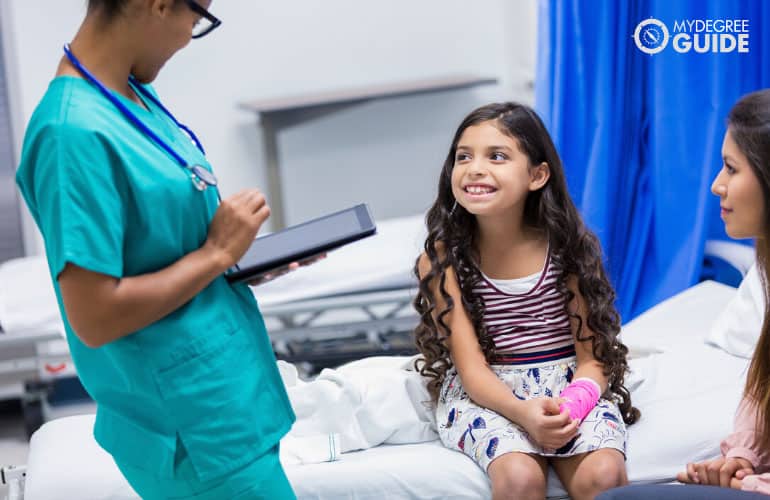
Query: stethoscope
(200,176)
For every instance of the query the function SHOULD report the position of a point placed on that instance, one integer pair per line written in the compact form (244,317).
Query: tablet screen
(303,241)
(306,236)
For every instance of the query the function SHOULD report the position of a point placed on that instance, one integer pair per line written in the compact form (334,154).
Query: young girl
(518,331)
(743,187)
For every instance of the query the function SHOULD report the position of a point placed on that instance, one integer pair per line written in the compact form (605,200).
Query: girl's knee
(604,472)
(519,484)
(517,478)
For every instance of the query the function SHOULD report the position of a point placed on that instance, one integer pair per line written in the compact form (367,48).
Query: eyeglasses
(206,24)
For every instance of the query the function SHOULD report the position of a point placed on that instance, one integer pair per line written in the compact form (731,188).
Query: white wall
(386,152)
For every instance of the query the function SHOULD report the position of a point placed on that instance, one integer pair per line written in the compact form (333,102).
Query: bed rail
(326,331)
(14,476)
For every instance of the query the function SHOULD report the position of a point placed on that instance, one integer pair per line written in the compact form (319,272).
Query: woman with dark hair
(518,331)
(189,399)
(743,187)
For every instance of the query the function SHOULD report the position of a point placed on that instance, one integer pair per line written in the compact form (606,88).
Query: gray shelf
(365,93)
(269,112)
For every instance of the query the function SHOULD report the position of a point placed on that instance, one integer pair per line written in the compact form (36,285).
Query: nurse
(190,402)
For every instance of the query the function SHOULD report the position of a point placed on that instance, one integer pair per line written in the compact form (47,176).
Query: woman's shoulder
(62,133)
(70,105)
(70,118)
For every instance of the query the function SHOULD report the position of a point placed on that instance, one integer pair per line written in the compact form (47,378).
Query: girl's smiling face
(491,175)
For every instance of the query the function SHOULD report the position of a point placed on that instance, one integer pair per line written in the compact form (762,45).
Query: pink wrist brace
(581,397)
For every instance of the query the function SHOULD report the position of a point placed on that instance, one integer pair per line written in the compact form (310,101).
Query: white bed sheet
(678,322)
(671,432)
(672,388)
(27,299)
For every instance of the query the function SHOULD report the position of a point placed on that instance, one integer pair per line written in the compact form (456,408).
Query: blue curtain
(640,135)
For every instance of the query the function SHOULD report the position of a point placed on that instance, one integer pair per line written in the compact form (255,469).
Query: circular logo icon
(651,36)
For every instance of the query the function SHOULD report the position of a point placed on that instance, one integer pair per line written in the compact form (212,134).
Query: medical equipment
(13,476)
(31,361)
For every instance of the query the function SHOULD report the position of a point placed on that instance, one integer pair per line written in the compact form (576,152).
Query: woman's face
(740,194)
(167,28)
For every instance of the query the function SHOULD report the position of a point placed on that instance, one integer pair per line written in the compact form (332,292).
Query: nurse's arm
(102,308)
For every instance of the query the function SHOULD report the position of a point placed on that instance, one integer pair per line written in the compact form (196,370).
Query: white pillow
(677,322)
(737,328)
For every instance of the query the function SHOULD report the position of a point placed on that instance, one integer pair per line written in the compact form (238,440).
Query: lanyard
(200,176)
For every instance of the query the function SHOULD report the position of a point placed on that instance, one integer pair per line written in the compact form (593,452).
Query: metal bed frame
(312,333)
(30,364)
(331,330)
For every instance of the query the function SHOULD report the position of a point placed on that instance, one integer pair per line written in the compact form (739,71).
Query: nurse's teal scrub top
(110,200)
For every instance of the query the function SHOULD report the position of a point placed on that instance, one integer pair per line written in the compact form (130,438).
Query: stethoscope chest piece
(201,177)
(199,184)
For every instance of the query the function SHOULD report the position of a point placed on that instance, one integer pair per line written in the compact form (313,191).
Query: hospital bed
(675,380)
(33,352)
(353,304)
(356,302)
(360,296)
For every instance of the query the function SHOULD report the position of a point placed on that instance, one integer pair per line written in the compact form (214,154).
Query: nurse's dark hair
(108,9)
(452,242)
(749,126)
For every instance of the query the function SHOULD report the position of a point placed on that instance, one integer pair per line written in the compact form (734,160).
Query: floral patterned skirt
(484,435)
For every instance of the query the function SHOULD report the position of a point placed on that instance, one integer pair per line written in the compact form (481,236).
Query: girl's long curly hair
(452,239)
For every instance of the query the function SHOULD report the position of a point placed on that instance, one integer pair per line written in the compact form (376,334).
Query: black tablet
(303,241)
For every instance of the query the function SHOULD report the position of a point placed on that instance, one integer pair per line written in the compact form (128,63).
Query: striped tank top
(527,327)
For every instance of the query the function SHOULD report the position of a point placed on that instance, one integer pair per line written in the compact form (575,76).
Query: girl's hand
(235,225)
(718,472)
(546,425)
(286,269)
